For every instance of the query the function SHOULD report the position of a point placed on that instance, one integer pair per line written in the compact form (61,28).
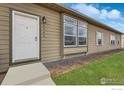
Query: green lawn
(110,69)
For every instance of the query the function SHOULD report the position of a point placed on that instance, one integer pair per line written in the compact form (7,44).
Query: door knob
(36,38)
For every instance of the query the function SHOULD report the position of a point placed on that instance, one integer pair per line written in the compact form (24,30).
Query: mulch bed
(2,75)
(63,66)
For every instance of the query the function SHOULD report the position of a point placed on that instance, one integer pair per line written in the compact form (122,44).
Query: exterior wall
(93,48)
(4,38)
(75,50)
(50,39)
(122,41)
(50,35)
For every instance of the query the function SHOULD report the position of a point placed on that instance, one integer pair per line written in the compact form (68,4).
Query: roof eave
(61,8)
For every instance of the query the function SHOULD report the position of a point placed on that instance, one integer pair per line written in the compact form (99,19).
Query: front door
(25,37)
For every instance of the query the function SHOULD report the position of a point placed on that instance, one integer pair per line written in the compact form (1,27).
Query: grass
(109,69)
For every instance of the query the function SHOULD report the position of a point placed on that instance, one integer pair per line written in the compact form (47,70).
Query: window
(117,40)
(82,34)
(75,32)
(112,39)
(99,38)
(70,31)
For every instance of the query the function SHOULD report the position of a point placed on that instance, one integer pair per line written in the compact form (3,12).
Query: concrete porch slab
(31,74)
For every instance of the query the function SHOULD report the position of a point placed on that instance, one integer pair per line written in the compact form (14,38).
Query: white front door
(25,37)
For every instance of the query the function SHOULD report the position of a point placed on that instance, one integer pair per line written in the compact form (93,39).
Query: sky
(111,14)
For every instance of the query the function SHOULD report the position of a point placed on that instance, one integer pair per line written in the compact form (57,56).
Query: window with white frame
(99,38)
(75,32)
(112,39)
(70,31)
(82,33)
(118,42)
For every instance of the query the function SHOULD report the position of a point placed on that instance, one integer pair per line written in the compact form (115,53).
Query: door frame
(11,35)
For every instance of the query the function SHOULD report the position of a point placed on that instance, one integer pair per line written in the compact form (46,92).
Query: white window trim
(71,19)
(117,40)
(97,38)
(68,35)
(81,36)
(64,29)
(83,45)
(73,35)
(70,45)
(111,39)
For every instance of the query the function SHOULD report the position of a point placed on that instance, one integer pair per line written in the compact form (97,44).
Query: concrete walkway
(31,74)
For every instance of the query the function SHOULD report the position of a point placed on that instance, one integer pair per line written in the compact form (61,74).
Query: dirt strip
(2,75)
(60,67)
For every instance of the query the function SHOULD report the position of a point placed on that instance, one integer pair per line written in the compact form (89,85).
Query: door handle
(35,38)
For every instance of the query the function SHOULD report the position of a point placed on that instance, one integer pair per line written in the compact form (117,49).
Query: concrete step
(47,81)
(26,74)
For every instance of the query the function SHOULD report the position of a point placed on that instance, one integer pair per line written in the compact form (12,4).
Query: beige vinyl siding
(3,67)
(50,38)
(122,41)
(74,50)
(4,38)
(93,47)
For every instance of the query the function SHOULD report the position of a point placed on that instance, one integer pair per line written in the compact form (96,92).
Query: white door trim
(38,28)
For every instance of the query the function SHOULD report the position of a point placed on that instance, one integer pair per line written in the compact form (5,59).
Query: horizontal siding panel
(50,59)
(4,18)
(50,52)
(4,56)
(4,28)
(4,42)
(4,37)
(4,51)
(52,21)
(50,46)
(74,50)
(4,47)
(3,13)
(50,49)
(4,23)
(51,36)
(48,31)
(4,8)
(53,31)
(56,33)
(4,33)
(51,39)
(50,42)
(34,7)
(3,61)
